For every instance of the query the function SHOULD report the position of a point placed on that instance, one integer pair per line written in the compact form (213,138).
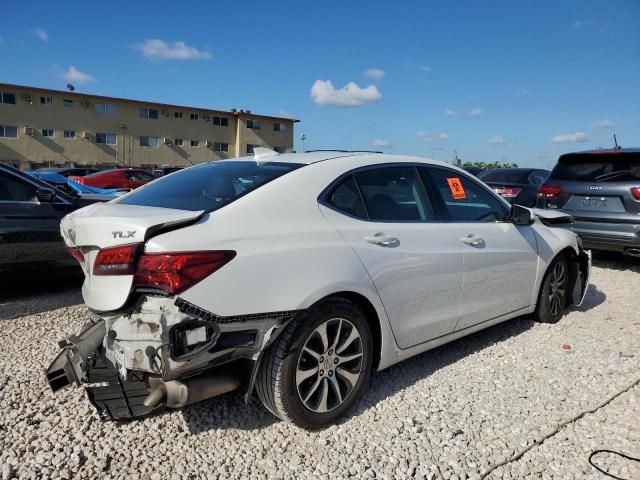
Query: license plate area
(599,203)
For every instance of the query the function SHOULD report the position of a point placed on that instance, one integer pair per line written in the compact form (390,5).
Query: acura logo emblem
(72,236)
(595,187)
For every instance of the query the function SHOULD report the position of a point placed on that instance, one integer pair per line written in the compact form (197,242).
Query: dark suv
(601,189)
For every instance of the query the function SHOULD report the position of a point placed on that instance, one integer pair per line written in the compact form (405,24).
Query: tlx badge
(127,234)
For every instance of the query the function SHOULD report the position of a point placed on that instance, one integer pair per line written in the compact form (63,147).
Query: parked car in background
(73,188)
(68,171)
(116,178)
(516,185)
(601,190)
(473,170)
(299,274)
(162,171)
(30,214)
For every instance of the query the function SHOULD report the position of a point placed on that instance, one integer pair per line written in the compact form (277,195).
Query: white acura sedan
(296,275)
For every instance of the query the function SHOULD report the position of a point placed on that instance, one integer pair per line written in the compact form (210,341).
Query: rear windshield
(598,167)
(209,186)
(506,176)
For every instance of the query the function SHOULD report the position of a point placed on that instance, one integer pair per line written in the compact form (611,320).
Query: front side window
(105,109)
(69,134)
(6,97)
(47,132)
(254,124)
(149,141)
(393,194)
(7,131)
(209,186)
(461,199)
(13,190)
(149,113)
(106,138)
(346,198)
(220,147)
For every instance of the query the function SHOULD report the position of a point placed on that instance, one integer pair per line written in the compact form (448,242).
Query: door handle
(472,240)
(382,239)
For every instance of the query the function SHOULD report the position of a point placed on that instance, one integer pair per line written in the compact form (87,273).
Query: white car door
(500,258)
(414,262)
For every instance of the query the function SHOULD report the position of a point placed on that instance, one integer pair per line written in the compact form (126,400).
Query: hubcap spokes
(557,289)
(329,365)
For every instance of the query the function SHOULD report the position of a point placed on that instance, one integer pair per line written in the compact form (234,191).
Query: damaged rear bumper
(162,352)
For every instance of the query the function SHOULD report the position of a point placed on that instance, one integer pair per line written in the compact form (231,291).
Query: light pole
(433,151)
(303,137)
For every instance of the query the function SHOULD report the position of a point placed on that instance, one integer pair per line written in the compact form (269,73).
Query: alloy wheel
(557,288)
(329,365)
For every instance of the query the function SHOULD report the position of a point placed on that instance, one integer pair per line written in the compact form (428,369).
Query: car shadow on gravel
(30,293)
(615,261)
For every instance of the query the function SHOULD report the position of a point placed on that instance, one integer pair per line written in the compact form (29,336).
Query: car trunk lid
(100,226)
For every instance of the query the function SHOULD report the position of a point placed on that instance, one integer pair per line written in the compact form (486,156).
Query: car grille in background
(192,310)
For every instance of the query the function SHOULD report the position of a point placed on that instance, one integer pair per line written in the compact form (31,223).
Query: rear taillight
(507,192)
(548,190)
(635,191)
(119,260)
(175,272)
(76,253)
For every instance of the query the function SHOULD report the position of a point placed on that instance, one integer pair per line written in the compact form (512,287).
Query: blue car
(70,186)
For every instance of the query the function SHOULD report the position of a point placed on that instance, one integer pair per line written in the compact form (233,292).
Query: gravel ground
(455,412)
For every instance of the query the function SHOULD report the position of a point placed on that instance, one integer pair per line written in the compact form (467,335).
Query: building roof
(237,113)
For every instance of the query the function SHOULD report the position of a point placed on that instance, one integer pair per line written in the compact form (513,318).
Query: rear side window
(462,199)
(209,186)
(394,194)
(598,167)
(347,198)
(13,190)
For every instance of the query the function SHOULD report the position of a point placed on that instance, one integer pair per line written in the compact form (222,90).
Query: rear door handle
(472,240)
(382,239)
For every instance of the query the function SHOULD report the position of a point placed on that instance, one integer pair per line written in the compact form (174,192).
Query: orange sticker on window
(456,188)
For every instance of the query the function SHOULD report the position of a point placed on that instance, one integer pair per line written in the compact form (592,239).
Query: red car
(116,178)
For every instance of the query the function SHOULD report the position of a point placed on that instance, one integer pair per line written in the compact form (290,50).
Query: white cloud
(451,113)
(374,73)
(72,74)
(570,138)
(41,34)
(604,123)
(582,23)
(523,91)
(156,49)
(351,95)
(381,143)
(419,66)
(475,112)
(495,140)
(428,136)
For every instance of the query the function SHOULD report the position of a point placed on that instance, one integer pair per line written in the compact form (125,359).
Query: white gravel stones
(451,413)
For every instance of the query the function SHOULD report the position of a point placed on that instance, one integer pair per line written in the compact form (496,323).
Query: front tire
(553,292)
(319,366)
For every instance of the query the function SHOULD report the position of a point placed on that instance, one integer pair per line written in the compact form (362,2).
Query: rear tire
(552,300)
(319,366)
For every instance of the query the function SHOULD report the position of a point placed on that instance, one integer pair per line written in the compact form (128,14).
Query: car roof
(518,169)
(603,151)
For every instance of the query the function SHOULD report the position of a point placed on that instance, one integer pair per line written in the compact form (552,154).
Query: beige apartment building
(41,127)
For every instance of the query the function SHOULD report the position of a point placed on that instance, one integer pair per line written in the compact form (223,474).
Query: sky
(520,82)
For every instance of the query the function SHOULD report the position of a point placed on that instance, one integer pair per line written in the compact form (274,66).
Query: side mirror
(522,215)
(46,195)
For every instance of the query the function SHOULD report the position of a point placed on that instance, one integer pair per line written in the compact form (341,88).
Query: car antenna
(615,141)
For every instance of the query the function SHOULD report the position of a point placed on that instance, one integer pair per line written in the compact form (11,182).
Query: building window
(221,121)
(6,97)
(279,127)
(148,113)
(194,116)
(106,138)
(149,141)
(67,102)
(177,114)
(251,147)
(8,132)
(178,142)
(195,143)
(46,100)
(105,108)
(220,147)
(254,124)
(280,149)
(47,132)
(69,134)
